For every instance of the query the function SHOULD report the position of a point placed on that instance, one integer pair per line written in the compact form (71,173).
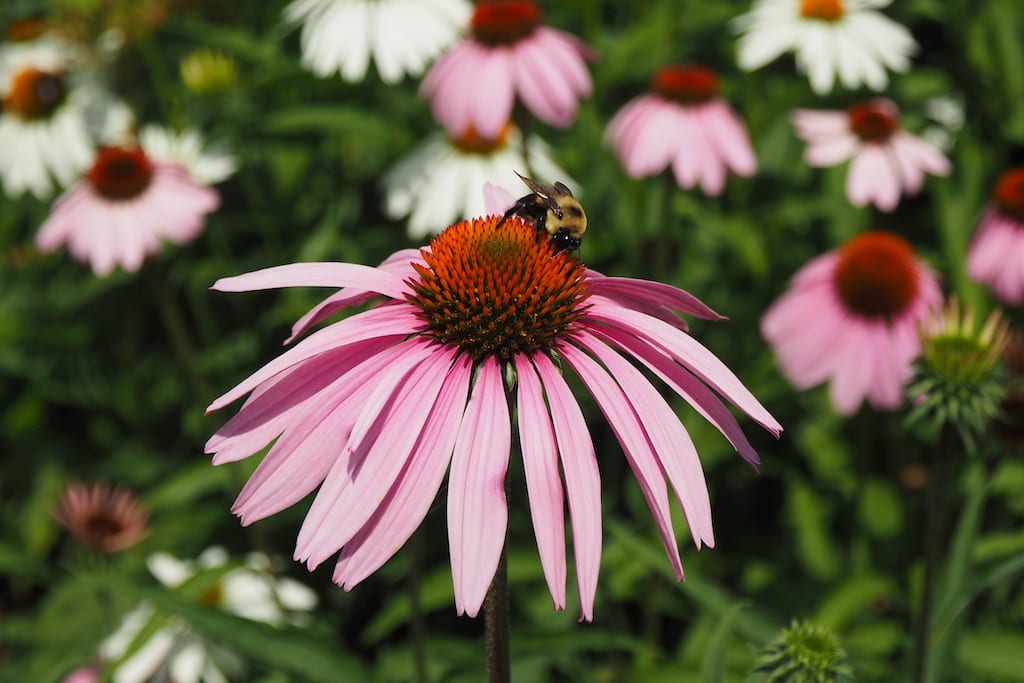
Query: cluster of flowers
(422,382)
(127,190)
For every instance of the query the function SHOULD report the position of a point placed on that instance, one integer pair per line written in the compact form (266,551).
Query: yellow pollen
(825,10)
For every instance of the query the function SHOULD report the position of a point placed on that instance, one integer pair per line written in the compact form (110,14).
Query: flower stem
(496,616)
(934,501)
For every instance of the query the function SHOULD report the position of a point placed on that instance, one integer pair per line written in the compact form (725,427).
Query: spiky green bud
(804,653)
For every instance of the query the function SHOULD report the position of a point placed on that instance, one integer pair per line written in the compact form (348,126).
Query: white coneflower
(442,180)
(402,36)
(207,165)
(845,38)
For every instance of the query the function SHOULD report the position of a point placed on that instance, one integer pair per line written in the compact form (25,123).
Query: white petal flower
(206,165)
(48,117)
(402,36)
(848,39)
(174,652)
(442,181)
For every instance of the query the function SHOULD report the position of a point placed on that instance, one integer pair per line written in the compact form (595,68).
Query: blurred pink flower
(685,124)
(85,674)
(508,54)
(126,203)
(996,255)
(374,409)
(101,517)
(850,317)
(886,161)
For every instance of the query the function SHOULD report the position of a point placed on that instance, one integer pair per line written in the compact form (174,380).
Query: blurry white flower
(844,38)
(175,653)
(442,180)
(402,35)
(206,165)
(45,116)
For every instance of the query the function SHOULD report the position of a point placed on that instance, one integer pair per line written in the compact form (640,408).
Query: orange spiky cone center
(877,275)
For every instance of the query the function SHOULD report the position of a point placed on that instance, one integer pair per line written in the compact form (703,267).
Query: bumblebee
(553,211)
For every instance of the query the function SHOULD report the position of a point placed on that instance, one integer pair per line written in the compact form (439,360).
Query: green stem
(179,337)
(496,617)
(934,502)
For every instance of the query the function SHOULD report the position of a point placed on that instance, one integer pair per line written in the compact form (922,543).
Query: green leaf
(852,598)
(713,666)
(880,509)
(809,516)
(994,655)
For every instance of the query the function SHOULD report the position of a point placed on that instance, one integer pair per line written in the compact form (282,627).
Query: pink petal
(633,292)
(702,399)
(728,136)
(377,449)
(685,350)
(316,275)
(386,321)
(409,500)
(543,482)
(477,509)
(275,405)
(310,446)
(872,178)
(671,445)
(631,433)
(495,94)
(582,480)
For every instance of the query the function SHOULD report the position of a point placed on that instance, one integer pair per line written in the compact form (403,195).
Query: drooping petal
(376,451)
(409,500)
(477,508)
(635,442)
(671,445)
(582,480)
(543,483)
(687,351)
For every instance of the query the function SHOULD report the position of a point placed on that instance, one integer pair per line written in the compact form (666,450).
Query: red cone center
(120,173)
(24,30)
(825,10)
(497,290)
(875,120)
(877,275)
(1009,193)
(473,143)
(686,83)
(35,94)
(504,22)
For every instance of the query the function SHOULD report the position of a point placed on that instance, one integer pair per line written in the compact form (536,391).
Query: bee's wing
(562,190)
(548,193)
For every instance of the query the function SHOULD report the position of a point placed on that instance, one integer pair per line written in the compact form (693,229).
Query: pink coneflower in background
(996,254)
(887,161)
(374,409)
(510,55)
(100,517)
(684,124)
(850,317)
(122,209)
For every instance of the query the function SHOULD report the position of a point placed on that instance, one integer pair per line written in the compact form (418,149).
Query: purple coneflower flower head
(376,408)
(685,124)
(509,55)
(851,317)
(123,208)
(885,160)
(996,254)
(101,517)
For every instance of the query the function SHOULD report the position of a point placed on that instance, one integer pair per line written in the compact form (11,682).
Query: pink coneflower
(123,208)
(375,408)
(100,517)
(686,125)
(887,161)
(509,54)
(996,256)
(850,317)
